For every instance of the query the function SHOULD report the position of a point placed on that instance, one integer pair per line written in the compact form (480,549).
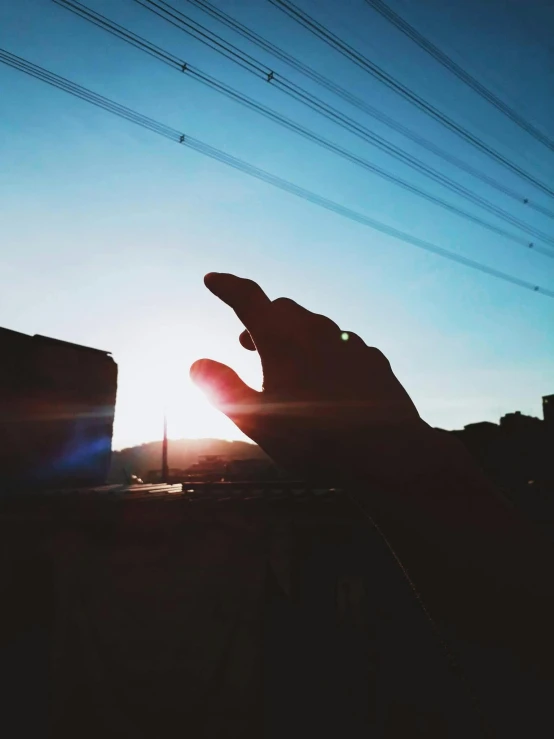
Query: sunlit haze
(107,229)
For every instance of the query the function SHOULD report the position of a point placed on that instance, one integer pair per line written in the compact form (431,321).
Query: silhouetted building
(57,404)
(548,412)
(174,475)
(516,451)
(481,427)
(251,469)
(520,423)
(209,467)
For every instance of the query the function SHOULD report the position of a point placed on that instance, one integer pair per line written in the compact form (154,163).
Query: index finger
(245,297)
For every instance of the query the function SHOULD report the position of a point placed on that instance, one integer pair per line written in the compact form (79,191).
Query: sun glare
(139,416)
(189,416)
(156,381)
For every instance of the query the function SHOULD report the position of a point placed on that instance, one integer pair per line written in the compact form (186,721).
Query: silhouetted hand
(330,405)
(331,408)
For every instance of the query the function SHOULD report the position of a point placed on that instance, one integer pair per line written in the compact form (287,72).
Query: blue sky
(108,229)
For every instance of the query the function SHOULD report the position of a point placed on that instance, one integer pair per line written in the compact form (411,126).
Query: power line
(447,62)
(354,100)
(173,134)
(231,52)
(375,71)
(220,87)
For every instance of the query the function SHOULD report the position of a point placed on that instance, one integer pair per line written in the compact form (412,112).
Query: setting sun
(159,383)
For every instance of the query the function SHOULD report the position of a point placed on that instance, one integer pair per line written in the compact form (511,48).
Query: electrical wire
(357,102)
(440,56)
(171,60)
(323,33)
(173,134)
(217,43)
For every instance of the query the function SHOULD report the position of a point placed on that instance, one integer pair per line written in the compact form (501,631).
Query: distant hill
(182,453)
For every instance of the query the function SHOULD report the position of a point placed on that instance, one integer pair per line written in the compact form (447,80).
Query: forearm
(482,573)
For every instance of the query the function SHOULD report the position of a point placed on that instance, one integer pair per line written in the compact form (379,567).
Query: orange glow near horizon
(159,382)
(189,416)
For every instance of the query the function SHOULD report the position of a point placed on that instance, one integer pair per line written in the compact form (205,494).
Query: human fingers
(321,327)
(288,319)
(246,341)
(224,388)
(300,326)
(245,297)
(352,340)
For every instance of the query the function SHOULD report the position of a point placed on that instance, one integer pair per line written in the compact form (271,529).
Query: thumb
(224,388)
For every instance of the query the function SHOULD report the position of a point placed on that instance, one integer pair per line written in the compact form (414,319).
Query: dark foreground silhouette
(331,407)
(291,618)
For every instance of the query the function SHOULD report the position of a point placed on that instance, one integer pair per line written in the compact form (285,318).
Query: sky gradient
(107,229)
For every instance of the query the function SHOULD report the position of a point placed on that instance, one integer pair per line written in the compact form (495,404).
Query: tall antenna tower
(165,468)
